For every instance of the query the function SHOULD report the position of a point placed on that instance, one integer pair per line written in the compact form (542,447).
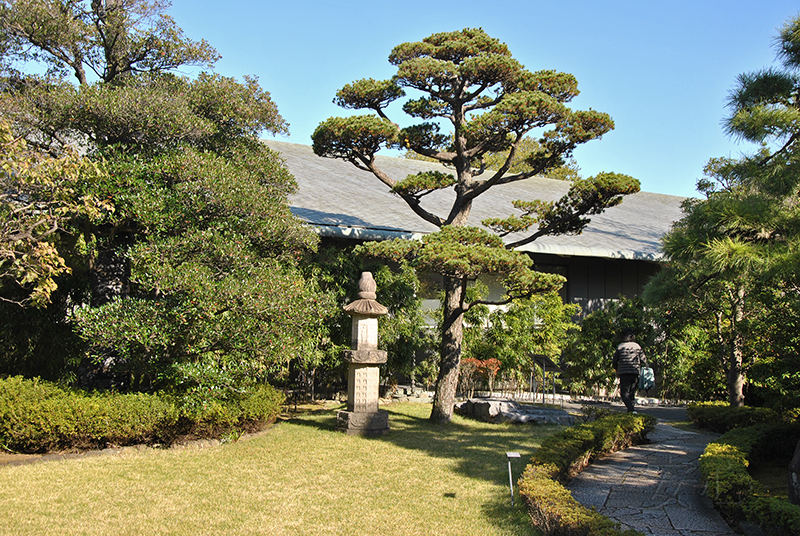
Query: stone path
(654,488)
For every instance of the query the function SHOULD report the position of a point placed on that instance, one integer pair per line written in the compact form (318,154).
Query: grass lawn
(299,478)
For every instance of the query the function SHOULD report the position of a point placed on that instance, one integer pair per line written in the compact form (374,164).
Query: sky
(662,70)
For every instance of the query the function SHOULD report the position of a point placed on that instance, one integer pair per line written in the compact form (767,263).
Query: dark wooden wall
(592,280)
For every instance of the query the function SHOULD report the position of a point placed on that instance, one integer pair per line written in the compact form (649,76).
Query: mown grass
(299,478)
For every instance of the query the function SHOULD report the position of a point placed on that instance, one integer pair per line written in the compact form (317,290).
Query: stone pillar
(363,361)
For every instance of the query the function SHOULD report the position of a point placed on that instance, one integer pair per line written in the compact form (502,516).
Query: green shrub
(262,405)
(734,492)
(214,413)
(569,451)
(775,516)
(208,418)
(555,511)
(551,506)
(37,416)
(592,413)
(136,417)
(728,483)
(720,417)
(573,448)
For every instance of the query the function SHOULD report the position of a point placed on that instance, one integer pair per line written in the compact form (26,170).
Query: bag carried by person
(647,379)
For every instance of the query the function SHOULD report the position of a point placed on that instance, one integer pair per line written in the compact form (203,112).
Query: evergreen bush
(551,506)
(720,416)
(734,492)
(37,416)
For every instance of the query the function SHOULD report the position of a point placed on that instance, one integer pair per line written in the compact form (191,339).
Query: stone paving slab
(654,488)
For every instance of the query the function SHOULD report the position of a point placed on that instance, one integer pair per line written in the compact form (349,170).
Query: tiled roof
(341,200)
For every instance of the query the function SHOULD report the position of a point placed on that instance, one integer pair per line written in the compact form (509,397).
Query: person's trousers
(628,383)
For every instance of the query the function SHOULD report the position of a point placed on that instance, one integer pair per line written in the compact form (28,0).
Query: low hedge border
(734,492)
(551,506)
(720,417)
(38,416)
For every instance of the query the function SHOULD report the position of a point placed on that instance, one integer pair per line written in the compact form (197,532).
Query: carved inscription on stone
(365,392)
(364,334)
(364,359)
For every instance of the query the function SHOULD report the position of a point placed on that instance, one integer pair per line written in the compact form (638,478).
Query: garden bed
(41,417)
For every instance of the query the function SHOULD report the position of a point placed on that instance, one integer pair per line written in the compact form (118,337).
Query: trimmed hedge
(551,506)
(734,492)
(720,417)
(37,416)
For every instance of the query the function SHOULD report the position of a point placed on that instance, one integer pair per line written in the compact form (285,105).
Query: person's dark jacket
(628,359)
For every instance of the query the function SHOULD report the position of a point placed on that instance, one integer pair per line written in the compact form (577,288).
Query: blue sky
(663,70)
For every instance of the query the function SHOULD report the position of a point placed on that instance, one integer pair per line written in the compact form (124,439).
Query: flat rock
(498,410)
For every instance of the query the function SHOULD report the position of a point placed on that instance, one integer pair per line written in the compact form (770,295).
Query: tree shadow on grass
(479,449)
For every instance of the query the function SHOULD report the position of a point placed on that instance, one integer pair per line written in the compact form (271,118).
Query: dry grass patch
(300,478)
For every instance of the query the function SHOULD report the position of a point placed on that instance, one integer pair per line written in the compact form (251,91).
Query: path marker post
(510,456)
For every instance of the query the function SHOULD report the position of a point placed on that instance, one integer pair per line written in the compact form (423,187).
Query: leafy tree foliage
(402,333)
(41,341)
(39,195)
(588,355)
(107,39)
(678,352)
(734,254)
(540,325)
(469,81)
(774,379)
(192,263)
(570,171)
(469,375)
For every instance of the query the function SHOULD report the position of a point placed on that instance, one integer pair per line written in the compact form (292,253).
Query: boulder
(500,410)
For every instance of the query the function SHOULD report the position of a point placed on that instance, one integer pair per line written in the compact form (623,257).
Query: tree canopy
(105,39)
(570,171)
(189,259)
(734,256)
(468,82)
(40,194)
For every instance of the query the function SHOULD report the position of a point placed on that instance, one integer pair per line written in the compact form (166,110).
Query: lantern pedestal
(363,366)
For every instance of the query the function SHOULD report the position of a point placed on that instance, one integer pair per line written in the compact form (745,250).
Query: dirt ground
(6,458)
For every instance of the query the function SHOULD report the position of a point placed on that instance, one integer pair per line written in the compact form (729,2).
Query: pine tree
(469,81)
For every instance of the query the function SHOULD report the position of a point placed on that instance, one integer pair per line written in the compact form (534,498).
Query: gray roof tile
(342,200)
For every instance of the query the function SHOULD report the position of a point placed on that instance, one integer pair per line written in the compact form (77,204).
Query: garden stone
(497,410)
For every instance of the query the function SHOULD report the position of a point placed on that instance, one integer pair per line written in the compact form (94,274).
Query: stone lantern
(363,365)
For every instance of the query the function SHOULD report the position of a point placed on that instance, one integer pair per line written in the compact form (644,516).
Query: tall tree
(105,39)
(708,281)
(739,246)
(193,268)
(469,81)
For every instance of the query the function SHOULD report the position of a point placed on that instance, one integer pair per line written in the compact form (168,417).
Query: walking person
(627,362)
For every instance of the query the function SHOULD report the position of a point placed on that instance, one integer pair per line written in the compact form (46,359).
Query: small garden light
(510,456)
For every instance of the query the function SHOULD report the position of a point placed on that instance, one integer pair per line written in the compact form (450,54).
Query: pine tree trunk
(452,333)
(735,371)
